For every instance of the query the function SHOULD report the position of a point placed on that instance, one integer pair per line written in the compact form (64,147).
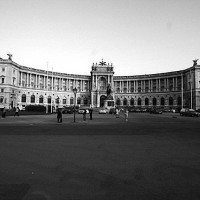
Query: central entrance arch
(102,99)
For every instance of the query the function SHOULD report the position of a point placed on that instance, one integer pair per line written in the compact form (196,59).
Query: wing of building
(21,86)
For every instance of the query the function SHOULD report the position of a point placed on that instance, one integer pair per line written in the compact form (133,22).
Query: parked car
(191,113)
(68,110)
(155,111)
(102,111)
(198,110)
(131,109)
(183,110)
(82,110)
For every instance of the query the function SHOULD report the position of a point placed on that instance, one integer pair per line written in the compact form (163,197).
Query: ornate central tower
(101,79)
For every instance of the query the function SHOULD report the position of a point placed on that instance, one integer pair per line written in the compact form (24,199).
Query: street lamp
(75,91)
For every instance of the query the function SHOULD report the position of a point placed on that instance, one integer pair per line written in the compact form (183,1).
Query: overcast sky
(137,36)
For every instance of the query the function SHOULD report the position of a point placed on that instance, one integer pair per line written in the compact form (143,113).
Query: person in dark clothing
(84,115)
(90,111)
(59,115)
(16,112)
(4,113)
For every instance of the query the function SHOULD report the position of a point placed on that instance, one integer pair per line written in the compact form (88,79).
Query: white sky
(137,36)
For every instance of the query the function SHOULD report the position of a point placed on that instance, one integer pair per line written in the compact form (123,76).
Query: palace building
(21,86)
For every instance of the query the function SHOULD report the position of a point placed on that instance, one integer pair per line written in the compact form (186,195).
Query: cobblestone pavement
(149,157)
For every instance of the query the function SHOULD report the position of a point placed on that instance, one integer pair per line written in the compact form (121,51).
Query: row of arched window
(64,101)
(146,101)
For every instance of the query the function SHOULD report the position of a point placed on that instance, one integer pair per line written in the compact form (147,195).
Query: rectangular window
(64,101)
(3,69)
(2,90)
(2,80)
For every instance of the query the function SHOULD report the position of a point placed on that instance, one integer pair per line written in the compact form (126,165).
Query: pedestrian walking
(90,111)
(117,113)
(84,115)
(16,112)
(126,115)
(59,115)
(4,113)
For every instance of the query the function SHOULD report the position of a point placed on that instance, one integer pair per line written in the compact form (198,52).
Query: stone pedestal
(109,104)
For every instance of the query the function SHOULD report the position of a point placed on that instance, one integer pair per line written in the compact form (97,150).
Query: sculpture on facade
(195,62)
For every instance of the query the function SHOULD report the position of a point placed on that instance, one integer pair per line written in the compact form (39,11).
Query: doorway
(102,99)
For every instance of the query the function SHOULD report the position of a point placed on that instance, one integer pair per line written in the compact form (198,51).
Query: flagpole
(191,87)
(182,90)
(47,89)
(52,91)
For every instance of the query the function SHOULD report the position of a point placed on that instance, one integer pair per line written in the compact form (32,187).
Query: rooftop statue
(9,56)
(195,62)
(102,63)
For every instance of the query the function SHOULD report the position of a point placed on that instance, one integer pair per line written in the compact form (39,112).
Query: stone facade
(21,86)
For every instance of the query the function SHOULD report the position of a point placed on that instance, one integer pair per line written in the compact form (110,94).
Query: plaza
(148,157)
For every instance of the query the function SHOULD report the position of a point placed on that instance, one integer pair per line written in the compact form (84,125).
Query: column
(39,77)
(96,83)
(156,85)
(36,81)
(21,79)
(27,79)
(167,81)
(165,85)
(62,83)
(136,85)
(30,79)
(149,85)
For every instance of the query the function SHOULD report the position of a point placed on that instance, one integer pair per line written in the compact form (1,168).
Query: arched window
(79,101)
(33,98)
(41,99)
(139,102)
(49,99)
(71,101)
(171,101)
(132,102)
(162,101)
(154,101)
(118,102)
(125,102)
(85,101)
(102,83)
(1,99)
(23,98)
(146,101)
(57,100)
(179,102)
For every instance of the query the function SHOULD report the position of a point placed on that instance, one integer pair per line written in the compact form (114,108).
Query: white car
(102,111)
(82,110)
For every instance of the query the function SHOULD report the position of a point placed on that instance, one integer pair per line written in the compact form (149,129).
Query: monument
(109,101)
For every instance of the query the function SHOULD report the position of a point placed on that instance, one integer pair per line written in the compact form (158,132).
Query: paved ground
(150,157)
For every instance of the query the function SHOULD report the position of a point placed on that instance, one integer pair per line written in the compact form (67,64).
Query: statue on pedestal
(109,91)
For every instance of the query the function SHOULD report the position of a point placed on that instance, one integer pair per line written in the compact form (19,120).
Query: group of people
(125,114)
(59,114)
(16,110)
